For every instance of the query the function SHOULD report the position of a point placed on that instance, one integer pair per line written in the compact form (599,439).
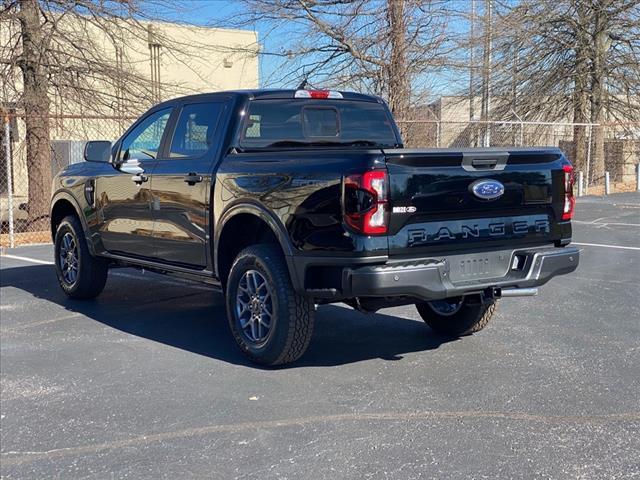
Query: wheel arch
(247,224)
(63,204)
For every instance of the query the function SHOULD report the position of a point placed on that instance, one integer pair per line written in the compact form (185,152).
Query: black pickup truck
(289,199)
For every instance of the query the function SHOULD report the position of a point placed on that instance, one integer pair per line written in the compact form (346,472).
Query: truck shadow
(192,317)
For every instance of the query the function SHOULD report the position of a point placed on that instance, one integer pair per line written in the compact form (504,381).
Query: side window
(253,126)
(195,129)
(143,142)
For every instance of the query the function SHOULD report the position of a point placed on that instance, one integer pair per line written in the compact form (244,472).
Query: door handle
(139,179)
(193,178)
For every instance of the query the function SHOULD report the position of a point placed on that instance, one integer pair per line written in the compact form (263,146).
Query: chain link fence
(68,135)
(619,144)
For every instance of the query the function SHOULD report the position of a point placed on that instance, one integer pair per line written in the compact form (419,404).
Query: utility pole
(486,73)
(472,70)
(154,53)
(472,45)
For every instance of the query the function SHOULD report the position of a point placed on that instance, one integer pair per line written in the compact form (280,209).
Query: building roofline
(200,27)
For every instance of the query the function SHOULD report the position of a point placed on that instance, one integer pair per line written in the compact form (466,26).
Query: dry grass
(616,187)
(25,238)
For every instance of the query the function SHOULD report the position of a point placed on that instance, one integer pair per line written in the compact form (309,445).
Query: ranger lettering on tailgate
(437,232)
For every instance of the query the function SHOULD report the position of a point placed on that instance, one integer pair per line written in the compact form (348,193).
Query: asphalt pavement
(146,382)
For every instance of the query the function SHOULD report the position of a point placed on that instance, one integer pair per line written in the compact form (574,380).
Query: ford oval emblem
(487,189)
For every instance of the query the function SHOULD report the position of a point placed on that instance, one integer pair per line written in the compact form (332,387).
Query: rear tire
(271,323)
(455,317)
(80,275)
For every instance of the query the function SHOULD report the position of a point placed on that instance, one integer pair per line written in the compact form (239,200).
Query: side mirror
(97,151)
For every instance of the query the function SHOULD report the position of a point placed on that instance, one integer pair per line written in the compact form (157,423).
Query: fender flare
(68,196)
(247,207)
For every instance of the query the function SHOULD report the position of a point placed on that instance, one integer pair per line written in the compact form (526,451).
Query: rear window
(283,123)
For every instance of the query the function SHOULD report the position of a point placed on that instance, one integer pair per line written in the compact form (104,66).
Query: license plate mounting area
(479,266)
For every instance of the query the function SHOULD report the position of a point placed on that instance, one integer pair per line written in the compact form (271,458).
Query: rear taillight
(366,202)
(569,199)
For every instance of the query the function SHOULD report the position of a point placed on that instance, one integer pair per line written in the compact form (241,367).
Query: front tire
(459,316)
(271,323)
(80,275)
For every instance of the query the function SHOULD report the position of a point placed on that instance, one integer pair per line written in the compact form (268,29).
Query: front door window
(143,142)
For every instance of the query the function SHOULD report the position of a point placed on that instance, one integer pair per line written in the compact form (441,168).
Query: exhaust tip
(515,292)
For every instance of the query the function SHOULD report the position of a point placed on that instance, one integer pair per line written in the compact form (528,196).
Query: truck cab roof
(268,94)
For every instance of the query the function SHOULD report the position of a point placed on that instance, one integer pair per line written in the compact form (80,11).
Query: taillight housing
(366,202)
(569,199)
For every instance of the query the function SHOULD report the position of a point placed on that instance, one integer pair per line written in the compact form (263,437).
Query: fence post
(438,134)
(638,177)
(487,134)
(586,183)
(521,134)
(580,182)
(7,152)
(607,185)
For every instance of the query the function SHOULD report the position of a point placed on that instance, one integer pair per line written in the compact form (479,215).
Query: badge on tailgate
(487,189)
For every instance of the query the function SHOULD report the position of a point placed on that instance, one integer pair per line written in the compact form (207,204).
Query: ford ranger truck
(288,199)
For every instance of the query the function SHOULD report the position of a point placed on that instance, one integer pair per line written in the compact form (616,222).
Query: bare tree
(75,57)
(58,46)
(397,74)
(384,47)
(569,59)
(36,107)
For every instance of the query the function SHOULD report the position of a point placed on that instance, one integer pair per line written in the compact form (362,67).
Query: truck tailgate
(449,200)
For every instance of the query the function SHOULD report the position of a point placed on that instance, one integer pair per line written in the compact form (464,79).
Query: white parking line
(24,326)
(26,259)
(603,224)
(167,281)
(621,247)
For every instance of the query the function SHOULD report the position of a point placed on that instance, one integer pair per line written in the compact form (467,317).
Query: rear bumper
(453,275)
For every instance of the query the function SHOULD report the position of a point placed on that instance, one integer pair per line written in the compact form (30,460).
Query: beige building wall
(192,60)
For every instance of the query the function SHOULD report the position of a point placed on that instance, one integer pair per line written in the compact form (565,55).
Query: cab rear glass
(296,122)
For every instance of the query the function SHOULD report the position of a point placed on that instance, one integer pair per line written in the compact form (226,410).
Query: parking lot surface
(146,382)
